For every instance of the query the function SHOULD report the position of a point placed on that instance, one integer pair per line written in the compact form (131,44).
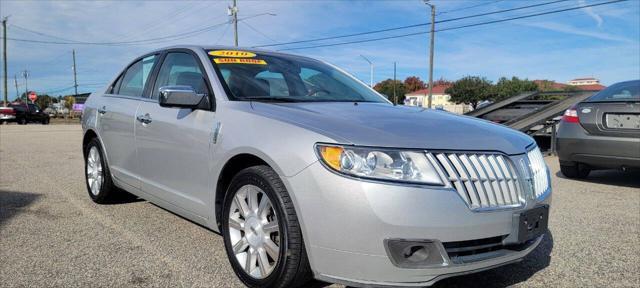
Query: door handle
(144,119)
(102,110)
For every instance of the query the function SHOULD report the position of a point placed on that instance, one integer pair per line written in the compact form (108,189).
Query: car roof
(223,47)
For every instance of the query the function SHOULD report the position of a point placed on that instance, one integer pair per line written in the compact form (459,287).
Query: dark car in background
(602,132)
(29,113)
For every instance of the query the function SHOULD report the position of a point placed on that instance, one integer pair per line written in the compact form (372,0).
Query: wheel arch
(88,136)
(231,167)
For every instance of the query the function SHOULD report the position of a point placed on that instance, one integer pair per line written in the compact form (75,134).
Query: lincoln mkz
(310,174)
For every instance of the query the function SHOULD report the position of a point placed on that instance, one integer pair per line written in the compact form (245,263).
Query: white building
(584,81)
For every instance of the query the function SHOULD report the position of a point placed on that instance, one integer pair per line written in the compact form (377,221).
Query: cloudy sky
(601,41)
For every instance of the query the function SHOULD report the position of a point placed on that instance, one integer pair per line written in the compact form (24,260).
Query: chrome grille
(483,181)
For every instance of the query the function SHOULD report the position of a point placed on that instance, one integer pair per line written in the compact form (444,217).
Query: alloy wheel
(254,231)
(95,175)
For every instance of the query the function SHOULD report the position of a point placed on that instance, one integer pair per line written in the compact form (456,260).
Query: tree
(413,83)
(506,88)
(470,90)
(442,82)
(69,101)
(44,101)
(386,87)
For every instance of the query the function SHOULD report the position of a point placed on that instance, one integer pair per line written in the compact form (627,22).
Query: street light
(371,70)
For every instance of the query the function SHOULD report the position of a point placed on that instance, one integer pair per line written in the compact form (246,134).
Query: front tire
(262,236)
(97,174)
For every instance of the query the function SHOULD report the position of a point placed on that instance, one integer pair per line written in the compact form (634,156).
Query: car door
(117,111)
(173,143)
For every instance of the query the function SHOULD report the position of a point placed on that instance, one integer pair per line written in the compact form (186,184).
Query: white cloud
(589,11)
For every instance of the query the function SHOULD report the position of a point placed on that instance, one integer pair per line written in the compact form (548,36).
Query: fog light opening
(416,253)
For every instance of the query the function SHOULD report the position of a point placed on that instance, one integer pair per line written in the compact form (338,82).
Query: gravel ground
(52,235)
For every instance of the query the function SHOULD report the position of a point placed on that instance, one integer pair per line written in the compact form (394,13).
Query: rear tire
(576,171)
(291,268)
(97,175)
(22,121)
(45,121)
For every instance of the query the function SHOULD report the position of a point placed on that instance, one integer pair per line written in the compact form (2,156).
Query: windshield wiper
(270,99)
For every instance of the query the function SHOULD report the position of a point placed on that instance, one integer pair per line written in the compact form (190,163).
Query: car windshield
(286,78)
(619,92)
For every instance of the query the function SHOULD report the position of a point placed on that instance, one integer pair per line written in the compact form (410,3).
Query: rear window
(619,92)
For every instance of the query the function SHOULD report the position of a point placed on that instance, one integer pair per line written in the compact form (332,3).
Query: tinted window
(18,107)
(135,78)
(180,68)
(623,91)
(289,78)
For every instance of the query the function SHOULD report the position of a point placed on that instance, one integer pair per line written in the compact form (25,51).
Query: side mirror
(179,96)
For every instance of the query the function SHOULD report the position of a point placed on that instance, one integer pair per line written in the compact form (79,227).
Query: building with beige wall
(440,100)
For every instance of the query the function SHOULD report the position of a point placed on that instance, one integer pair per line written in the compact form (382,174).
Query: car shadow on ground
(124,197)
(13,203)
(630,178)
(507,275)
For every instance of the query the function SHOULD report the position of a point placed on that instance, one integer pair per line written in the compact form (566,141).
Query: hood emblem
(586,110)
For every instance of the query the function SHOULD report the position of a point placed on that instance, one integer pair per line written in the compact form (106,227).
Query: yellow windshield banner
(239,61)
(232,53)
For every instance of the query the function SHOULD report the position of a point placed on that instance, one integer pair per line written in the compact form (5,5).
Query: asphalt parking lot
(52,235)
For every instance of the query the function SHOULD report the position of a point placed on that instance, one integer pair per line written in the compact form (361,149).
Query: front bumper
(346,221)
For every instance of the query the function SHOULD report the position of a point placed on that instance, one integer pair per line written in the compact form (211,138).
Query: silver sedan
(308,173)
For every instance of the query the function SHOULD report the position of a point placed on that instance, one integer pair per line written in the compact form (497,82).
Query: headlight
(380,163)
(539,170)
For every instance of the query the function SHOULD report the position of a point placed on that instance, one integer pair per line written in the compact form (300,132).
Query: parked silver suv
(308,173)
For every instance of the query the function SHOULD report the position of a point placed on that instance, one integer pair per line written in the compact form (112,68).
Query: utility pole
(370,70)
(75,79)
(233,12)
(395,97)
(431,47)
(25,74)
(4,57)
(15,80)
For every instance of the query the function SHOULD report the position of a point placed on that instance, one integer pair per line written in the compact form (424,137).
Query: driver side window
(180,68)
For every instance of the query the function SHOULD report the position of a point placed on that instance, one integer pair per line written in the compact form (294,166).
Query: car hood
(386,125)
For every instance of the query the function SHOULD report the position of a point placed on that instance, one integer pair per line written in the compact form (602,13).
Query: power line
(223,33)
(468,7)
(257,31)
(454,28)
(132,42)
(410,26)
(173,37)
(153,25)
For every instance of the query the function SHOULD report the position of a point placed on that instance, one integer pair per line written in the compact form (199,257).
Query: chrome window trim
(130,98)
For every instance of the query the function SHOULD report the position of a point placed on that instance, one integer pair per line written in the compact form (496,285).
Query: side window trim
(115,87)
